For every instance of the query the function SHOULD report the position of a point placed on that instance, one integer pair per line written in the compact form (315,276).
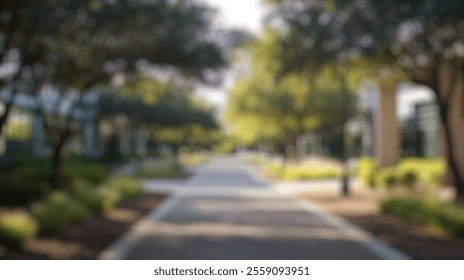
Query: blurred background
(98,92)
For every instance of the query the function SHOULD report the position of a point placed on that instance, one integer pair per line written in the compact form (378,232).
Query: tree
(417,39)
(83,44)
(275,105)
(165,111)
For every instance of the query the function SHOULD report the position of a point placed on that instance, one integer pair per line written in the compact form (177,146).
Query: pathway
(226,211)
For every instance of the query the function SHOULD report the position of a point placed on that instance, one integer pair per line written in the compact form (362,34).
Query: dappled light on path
(213,216)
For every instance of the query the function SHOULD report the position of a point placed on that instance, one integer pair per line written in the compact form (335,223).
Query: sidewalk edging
(366,239)
(121,246)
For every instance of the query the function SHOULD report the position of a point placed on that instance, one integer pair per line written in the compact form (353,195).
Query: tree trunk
(457,176)
(4,116)
(57,163)
(444,98)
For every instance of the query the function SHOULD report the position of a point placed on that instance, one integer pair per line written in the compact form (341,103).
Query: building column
(37,135)
(301,147)
(88,138)
(388,149)
(142,142)
(125,140)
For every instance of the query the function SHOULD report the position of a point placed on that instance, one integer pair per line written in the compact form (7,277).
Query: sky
(239,13)
(246,14)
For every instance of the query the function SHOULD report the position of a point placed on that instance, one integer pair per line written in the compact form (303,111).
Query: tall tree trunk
(4,117)
(444,99)
(57,163)
(457,176)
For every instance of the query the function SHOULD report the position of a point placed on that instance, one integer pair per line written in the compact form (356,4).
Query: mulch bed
(418,241)
(86,240)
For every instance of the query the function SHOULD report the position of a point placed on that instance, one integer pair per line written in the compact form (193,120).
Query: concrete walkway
(226,211)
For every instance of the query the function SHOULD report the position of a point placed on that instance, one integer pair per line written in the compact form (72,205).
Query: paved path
(226,211)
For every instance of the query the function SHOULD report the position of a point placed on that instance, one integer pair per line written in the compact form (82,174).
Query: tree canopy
(421,41)
(273,106)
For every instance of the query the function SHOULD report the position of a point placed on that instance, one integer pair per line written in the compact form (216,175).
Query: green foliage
(159,168)
(444,216)
(275,170)
(410,173)
(225,146)
(366,171)
(97,200)
(107,198)
(269,106)
(193,158)
(18,131)
(128,187)
(386,178)
(87,195)
(303,172)
(429,171)
(57,211)
(262,108)
(18,190)
(27,178)
(87,170)
(408,178)
(381,41)
(162,173)
(78,212)
(16,228)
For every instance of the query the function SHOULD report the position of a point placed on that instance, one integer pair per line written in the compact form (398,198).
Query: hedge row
(58,210)
(409,173)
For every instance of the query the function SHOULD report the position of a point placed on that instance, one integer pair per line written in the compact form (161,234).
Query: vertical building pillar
(125,142)
(388,134)
(89,139)
(37,135)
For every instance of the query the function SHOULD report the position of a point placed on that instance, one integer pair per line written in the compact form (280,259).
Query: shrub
(57,212)
(158,171)
(367,169)
(303,172)
(407,178)
(50,220)
(193,159)
(444,216)
(97,200)
(128,187)
(386,178)
(16,228)
(430,172)
(409,172)
(52,214)
(108,198)
(78,211)
(275,170)
(17,190)
(88,196)
(92,172)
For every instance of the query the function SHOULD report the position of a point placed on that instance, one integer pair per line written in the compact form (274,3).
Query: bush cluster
(441,215)
(26,179)
(59,209)
(193,159)
(16,228)
(159,169)
(410,173)
(303,172)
